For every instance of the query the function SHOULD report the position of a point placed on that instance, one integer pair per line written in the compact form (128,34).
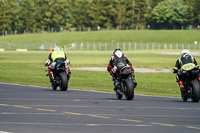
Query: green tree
(151,4)
(52,14)
(27,15)
(171,14)
(42,15)
(120,11)
(58,10)
(78,9)
(140,9)
(102,13)
(124,13)
(8,15)
(194,6)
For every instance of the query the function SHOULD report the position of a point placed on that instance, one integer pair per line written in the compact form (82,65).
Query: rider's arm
(110,65)
(127,61)
(49,60)
(49,57)
(177,67)
(65,57)
(66,60)
(195,62)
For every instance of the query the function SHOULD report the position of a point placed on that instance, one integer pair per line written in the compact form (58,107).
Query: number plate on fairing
(188,66)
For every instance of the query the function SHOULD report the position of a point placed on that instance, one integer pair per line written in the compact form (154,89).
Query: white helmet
(118,53)
(185,51)
(56,48)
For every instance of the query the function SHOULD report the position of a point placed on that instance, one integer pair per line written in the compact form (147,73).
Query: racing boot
(133,79)
(51,76)
(135,83)
(115,83)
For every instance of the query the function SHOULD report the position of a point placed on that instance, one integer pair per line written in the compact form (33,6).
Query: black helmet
(116,50)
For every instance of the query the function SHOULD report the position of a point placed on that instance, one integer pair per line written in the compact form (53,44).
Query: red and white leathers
(111,68)
(114,59)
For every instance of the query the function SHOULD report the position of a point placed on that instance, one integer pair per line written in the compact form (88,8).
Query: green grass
(139,59)
(28,68)
(33,41)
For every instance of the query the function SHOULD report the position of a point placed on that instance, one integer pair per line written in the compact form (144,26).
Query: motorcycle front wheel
(129,89)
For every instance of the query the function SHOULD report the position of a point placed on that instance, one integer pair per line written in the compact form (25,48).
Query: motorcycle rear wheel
(195,96)
(64,82)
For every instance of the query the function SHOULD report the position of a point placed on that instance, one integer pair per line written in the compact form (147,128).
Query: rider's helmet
(185,51)
(56,48)
(118,53)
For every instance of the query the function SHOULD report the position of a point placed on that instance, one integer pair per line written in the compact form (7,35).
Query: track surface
(28,109)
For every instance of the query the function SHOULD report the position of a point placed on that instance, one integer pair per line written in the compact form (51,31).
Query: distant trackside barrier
(99,46)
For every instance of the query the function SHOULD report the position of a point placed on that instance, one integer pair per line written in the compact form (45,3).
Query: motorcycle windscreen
(120,65)
(188,67)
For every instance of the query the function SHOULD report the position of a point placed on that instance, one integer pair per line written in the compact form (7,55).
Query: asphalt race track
(29,109)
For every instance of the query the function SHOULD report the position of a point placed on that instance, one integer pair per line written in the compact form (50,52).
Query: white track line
(86,124)
(4,132)
(67,124)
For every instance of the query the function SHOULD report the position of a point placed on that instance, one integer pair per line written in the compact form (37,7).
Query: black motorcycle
(189,84)
(60,76)
(126,85)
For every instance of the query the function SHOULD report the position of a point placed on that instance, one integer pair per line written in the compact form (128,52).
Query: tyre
(118,95)
(53,83)
(184,98)
(54,86)
(195,95)
(63,82)
(129,89)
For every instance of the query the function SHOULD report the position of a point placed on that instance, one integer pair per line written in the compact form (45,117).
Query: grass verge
(33,41)
(28,68)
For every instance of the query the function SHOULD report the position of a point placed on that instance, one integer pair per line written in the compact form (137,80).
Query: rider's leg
(115,82)
(51,75)
(133,79)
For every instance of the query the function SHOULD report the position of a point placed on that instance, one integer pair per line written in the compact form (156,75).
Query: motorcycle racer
(185,62)
(56,55)
(111,68)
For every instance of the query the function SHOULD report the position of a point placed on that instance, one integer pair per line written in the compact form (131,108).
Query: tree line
(55,15)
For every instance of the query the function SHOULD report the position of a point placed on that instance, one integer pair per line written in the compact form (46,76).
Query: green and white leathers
(186,62)
(57,54)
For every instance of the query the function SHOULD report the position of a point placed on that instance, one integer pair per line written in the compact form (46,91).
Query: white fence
(101,46)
